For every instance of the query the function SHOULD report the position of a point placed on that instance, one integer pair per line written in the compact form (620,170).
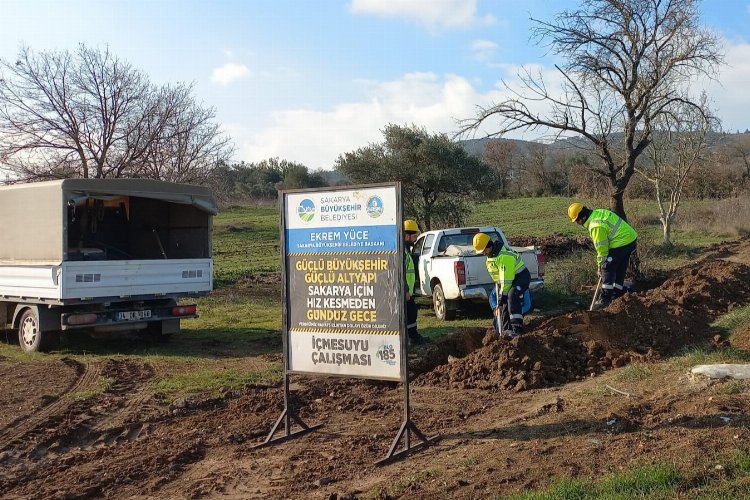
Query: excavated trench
(642,326)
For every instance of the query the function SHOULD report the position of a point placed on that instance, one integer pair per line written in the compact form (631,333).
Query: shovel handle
(596,294)
(498,307)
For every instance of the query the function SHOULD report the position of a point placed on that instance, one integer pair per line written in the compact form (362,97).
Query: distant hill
(475,147)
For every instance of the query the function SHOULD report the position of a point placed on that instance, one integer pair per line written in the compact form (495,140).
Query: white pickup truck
(449,270)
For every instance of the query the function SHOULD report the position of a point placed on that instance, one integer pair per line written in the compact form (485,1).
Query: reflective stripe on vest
(612,229)
(500,271)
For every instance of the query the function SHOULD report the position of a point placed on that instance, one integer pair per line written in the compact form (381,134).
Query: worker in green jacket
(508,270)
(614,241)
(411,231)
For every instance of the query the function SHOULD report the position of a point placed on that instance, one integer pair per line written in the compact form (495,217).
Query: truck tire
(445,310)
(30,336)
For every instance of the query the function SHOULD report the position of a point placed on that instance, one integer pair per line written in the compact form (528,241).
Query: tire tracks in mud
(105,419)
(16,432)
(76,432)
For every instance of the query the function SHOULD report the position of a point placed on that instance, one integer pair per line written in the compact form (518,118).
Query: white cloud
(483,50)
(730,93)
(432,13)
(230,72)
(316,138)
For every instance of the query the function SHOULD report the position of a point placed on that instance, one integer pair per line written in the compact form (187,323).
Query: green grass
(101,386)
(236,326)
(649,481)
(246,241)
(545,216)
(700,356)
(525,216)
(733,320)
(211,380)
(633,373)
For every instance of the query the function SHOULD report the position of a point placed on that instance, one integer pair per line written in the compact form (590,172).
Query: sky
(309,80)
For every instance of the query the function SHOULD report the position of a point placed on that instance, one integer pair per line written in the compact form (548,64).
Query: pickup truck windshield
(461,240)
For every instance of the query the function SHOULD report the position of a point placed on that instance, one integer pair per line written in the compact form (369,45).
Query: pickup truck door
(422,249)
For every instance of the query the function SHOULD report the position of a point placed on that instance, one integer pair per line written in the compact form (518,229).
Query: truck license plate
(133,315)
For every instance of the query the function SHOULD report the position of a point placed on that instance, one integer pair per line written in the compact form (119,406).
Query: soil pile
(636,327)
(556,245)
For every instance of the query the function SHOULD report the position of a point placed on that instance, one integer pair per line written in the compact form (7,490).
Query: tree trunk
(617,204)
(667,230)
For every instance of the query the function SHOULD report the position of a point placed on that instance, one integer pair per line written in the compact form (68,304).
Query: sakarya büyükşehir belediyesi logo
(374,207)
(306,210)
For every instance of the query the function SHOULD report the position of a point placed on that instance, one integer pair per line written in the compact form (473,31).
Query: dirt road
(510,414)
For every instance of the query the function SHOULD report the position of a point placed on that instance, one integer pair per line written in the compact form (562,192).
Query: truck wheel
(29,333)
(444,309)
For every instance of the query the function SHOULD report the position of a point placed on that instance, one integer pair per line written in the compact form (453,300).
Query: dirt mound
(642,326)
(556,245)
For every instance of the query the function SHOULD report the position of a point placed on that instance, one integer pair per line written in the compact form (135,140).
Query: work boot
(418,339)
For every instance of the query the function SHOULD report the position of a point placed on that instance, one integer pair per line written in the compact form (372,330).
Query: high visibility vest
(608,230)
(503,268)
(410,275)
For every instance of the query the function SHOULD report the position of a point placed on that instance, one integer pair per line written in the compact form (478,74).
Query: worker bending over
(614,241)
(508,270)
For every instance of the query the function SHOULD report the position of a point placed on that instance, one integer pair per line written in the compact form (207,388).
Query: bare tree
(89,114)
(677,145)
(191,144)
(499,155)
(739,148)
(627,62)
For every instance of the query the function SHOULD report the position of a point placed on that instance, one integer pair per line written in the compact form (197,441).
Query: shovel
(596,294)
(499,312)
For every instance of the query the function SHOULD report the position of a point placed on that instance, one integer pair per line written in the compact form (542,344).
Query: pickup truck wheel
(444,309)
(29,333)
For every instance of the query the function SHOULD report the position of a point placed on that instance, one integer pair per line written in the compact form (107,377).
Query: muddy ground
(510,414)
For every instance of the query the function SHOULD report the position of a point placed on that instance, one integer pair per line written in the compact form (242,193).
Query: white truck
(449,270)
(103,255)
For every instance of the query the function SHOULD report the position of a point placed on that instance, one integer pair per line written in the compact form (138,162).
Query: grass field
(246,240)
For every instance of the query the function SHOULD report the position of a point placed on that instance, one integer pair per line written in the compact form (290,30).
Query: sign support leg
(407,426)
(287,416)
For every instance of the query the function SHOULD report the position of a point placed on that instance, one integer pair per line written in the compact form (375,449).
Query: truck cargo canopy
(47,222)
(187,194)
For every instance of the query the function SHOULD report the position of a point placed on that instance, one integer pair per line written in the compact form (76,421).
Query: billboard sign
(343,271)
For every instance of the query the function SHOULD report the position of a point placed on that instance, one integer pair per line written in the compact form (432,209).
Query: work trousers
(411,318)
(613,272)
(513,311)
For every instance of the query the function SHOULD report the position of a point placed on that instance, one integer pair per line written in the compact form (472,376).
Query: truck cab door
(422,250)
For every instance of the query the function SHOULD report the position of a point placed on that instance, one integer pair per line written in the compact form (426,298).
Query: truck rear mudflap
(134,318)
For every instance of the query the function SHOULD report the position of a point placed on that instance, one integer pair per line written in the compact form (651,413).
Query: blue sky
(307,80)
